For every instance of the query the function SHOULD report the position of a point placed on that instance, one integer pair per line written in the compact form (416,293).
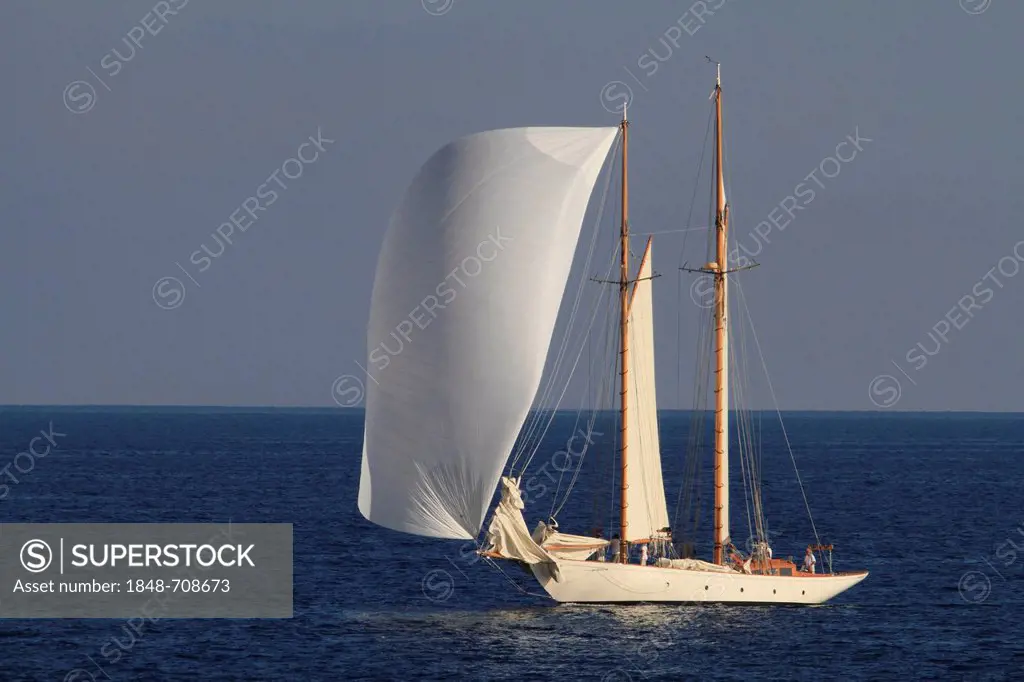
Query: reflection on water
(373,604)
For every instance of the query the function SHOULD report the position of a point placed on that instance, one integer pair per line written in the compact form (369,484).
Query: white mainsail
(468,285)
(646,510)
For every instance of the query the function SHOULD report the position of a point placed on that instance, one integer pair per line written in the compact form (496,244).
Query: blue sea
(930,504)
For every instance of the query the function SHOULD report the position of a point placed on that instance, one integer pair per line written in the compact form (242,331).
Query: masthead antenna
(718,73)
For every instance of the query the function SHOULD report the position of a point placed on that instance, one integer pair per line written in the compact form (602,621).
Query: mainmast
(719,269)
(624,337)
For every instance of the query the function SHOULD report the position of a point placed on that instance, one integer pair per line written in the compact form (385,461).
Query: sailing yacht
(480,251)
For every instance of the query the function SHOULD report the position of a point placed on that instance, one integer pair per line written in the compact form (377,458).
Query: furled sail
(468,285)
(566,546)
(646,512)
(508,537)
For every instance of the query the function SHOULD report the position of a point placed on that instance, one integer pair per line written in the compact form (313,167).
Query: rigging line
(594,397)
(590,431)
(550,386)
(553,514)
(694,439)
(495,566)
(751,454)
(554,410)
(742,430)
(579,413)
(754,452)
(696,183)
(557,404)
(545,395)
(681,229)
(682,252)
(609,375)
(775,401)
(532,441)
(579,466)
(597,397)
(616,424)
(740,386)
(727,178)
(688,496)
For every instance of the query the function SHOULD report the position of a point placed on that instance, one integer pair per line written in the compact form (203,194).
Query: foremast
(719,270)
(624,341)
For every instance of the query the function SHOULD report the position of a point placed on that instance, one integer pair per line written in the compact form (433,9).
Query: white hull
(602,582)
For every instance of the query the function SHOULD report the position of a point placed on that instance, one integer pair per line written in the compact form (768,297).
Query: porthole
(741,589)
(705,587)
(803,591)
(773,591)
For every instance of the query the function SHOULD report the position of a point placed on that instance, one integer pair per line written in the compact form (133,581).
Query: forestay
(468,285)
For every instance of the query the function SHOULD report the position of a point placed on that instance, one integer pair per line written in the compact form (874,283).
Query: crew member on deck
(809,560)
(643,554)
(599,554)
(763,551)
(614,546)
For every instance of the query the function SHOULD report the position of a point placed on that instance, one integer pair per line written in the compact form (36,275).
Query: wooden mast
(721,342)
(624,339)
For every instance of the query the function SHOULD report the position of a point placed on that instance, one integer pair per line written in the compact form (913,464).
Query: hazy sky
(109,184)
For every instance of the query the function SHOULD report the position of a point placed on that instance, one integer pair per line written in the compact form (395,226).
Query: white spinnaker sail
(646,512)
(468,285)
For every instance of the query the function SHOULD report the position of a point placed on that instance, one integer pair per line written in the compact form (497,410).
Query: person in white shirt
(614,546)
(643,554)
(809,561)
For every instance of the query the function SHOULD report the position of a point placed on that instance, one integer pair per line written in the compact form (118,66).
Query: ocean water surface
(930,504)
